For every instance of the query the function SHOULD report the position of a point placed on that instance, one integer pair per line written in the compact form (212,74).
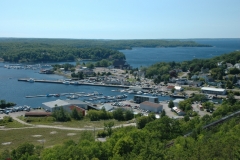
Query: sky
(120,19)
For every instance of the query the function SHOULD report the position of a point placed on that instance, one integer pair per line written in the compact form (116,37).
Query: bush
(102,134)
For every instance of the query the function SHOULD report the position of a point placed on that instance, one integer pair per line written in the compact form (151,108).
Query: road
(17,114)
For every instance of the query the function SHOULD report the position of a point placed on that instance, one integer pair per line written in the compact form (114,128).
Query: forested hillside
(42,50)
(163,69)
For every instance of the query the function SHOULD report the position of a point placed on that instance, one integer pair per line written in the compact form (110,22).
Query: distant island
(57,50)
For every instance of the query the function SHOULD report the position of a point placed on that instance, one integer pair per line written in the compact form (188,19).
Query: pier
(82,83)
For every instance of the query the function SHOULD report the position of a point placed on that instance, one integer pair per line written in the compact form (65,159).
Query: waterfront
(13,91)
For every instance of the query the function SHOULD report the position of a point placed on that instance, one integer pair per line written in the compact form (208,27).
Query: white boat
(31,80)
(66,82)
(131,92)
(139,92)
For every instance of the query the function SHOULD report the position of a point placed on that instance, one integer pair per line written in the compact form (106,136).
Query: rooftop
(151,104)
(213,89)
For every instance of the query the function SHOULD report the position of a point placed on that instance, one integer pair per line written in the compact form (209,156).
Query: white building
(178,88)
(52,105)
(210,90)
(150,106)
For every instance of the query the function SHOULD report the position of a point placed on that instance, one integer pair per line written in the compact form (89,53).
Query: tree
(76,115)
(108,127)
(128,115)
(163,113)
(186,118)
(60,114)
(231,98)
(170,104)
(118,114)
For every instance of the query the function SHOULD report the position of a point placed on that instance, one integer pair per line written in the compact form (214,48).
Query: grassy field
(85,123)
(37,136)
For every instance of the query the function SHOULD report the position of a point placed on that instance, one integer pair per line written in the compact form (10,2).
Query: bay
(12,90)
(138,57)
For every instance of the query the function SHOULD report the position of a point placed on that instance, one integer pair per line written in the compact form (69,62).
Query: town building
(216,91)
(66,104)
(150,106)
(176,102)
(140,98)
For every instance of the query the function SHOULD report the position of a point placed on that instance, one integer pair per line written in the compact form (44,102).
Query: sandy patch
(71,134)
(6,143)
(53,132)
(41,140)
(36,135)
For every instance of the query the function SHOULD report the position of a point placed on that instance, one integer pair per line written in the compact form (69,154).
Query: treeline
(111,44)
(4,104)
(40,52)
(56,50)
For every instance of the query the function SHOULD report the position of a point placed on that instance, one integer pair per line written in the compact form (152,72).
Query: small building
(140,98)
(176,101)
(79,109)
(169,88)
(178,88)
(150,106)
(210,90)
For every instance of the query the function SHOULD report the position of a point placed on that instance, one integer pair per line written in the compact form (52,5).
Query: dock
(82,83)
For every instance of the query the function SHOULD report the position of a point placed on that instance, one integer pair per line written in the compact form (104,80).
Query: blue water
(138,57)
(14,91)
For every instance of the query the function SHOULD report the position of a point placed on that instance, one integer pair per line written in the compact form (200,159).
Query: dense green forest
(50,50)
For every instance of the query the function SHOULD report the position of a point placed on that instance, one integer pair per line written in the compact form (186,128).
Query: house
(150,106)
(181,81)
(121,64)
(172,80)
(178,88)
(219,64)
(194,77)
(237,65)
(195,83)
(207,78)
(169,88)
(229,65)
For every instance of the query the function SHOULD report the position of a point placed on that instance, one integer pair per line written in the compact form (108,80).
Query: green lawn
(37,136)
(85,123)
